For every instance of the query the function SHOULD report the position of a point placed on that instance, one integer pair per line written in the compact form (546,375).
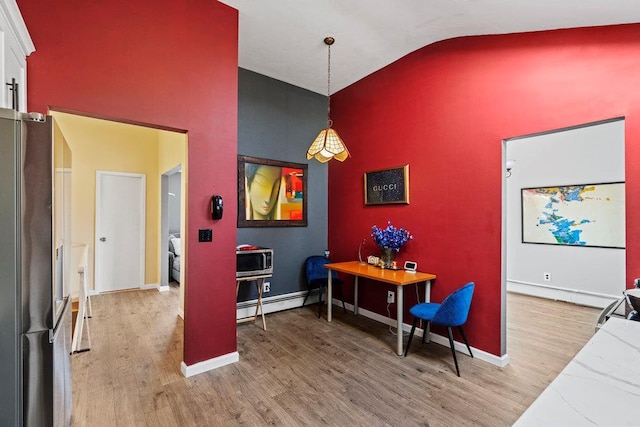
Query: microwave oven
(254,261)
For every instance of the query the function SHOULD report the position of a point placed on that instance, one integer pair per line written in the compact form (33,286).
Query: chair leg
(306,296)
(342,298)
(453,349)
(425,331)
(320,289)
(413,329)
(465,340)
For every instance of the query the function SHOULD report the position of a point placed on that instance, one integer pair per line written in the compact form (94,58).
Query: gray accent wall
(279,121)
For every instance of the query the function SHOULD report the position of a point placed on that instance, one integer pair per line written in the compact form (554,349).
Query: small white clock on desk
(410,266)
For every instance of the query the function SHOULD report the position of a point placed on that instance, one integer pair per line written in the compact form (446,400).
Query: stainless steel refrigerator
(35,310)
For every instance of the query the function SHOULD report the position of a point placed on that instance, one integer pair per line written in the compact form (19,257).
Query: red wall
(445,110)
(165,63)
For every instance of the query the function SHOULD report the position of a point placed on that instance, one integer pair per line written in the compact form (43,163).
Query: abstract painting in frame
(589,215)
(271,193)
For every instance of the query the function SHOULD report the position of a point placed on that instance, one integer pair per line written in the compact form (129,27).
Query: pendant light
(328,144)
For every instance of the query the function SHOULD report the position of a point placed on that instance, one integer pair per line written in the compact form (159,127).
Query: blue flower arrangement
(390,237)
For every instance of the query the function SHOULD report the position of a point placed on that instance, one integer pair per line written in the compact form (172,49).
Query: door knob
(103,239)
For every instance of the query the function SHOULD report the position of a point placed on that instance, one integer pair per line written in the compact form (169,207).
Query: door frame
(142,179)
(164,226)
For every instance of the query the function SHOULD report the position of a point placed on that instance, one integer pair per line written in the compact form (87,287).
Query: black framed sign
(271,193)
(387,186)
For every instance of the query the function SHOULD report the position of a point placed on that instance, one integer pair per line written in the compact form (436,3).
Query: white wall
(580,155)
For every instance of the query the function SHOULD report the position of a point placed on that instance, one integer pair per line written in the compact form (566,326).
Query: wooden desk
(399,278)
(259,280)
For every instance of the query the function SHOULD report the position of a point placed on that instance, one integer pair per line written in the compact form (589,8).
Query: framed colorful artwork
(575,215)
(271,193)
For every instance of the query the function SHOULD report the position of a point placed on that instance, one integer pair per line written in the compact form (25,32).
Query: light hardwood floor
(304,371)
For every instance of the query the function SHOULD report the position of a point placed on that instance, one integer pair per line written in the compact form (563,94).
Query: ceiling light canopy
(328,144)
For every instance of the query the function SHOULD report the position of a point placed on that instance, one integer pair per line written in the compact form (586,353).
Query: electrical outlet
(547,277)
(391,297)
(266,287)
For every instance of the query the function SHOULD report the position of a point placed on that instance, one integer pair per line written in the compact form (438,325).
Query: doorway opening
(124,148)
(589,158)
(171,226)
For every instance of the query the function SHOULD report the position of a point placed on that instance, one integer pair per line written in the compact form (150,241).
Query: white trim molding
(276,303)
(294,300)
(148,286)
(500,361)
(18,27)
(209,365)
(576,296)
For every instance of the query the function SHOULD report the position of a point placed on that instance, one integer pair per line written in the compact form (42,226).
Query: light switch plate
(205,235)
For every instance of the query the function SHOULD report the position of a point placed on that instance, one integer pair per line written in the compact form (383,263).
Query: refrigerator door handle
(53,333)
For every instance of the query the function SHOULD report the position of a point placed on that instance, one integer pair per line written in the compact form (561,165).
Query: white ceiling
(283,39)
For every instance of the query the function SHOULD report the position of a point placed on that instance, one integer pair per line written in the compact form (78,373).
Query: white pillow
(177,248)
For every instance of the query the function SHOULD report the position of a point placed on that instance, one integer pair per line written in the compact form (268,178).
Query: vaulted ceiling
(283,39)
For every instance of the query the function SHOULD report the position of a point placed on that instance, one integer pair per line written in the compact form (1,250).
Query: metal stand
(84,310)
(259,281)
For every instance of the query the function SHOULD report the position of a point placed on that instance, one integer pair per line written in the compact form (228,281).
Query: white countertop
(599,387)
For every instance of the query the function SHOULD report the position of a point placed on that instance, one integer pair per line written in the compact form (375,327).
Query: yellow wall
(117,147)
(171,150)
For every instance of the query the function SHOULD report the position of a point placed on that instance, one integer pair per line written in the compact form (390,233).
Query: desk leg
(329,297)
(355,296)
(400,306)
(427,298)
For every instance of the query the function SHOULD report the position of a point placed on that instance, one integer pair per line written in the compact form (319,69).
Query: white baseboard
(209,365)
(500,361)
(148,286)
(294,300)
(276,303)
(576,296)
(145,287)
(247,309)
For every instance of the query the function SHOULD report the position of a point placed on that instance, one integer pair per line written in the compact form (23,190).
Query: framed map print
(575,215)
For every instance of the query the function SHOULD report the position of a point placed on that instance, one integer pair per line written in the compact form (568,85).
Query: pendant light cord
(329,122)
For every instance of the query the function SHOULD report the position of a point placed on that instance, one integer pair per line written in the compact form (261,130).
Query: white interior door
(120,231)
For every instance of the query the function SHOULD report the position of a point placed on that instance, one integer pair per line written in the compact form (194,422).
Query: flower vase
(387,257)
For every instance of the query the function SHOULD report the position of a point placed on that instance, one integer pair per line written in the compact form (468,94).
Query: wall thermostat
(410,266)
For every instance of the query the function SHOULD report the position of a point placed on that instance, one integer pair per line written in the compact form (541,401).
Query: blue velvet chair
(318,277)
(453,311)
